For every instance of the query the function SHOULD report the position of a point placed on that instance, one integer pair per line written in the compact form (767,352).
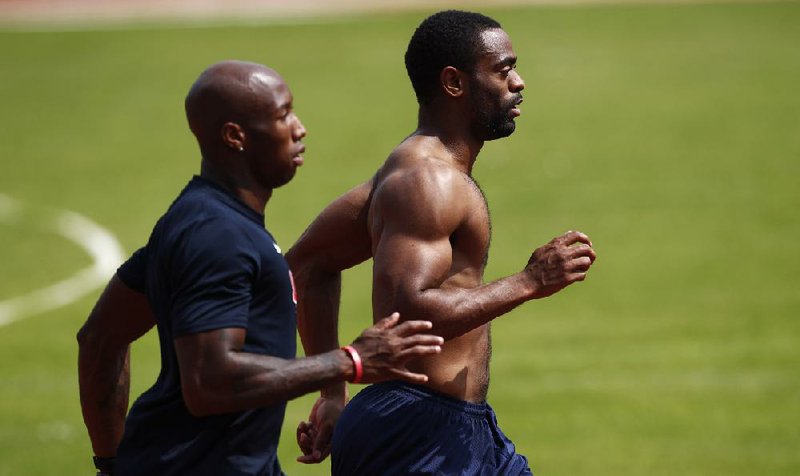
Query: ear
(452,81)
(233,136)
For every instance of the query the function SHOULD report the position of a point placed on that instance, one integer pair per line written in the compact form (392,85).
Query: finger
(388,322)
(571,237)
(573,277)
(305,443)
(322,444)
(581,249)
(310,434)
(410,376)
(413,327)
(422,339)
(306,433)
(302,428)
(308,459)
(312,457)
(418,350)
(580,265)
(590,253)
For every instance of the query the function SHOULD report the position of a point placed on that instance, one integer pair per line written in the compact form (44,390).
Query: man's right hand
(564,260)
(386,347)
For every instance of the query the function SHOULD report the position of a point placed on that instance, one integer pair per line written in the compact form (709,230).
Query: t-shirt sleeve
(213,271)
(133,272)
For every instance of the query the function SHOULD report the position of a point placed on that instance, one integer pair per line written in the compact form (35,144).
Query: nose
(299,130)
(517,83)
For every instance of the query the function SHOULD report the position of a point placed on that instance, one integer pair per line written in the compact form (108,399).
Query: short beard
(497,127)
(490,126)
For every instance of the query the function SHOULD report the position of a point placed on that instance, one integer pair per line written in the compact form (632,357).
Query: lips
(298,159)
(515,109)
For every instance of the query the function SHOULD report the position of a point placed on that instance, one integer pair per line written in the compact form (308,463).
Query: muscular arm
(120,316)
(335,241)
(218,377)
(419,212)
(416,282)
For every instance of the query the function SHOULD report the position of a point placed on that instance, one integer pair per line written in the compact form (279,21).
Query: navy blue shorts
(395,428)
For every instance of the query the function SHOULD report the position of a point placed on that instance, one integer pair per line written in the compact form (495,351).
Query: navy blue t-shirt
(209,264)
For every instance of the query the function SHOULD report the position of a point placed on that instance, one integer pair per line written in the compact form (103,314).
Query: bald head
(250,138)
(230,91)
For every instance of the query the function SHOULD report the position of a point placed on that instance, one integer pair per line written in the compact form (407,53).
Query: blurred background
(669,132)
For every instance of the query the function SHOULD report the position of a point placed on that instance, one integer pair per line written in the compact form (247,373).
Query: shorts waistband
(418,391)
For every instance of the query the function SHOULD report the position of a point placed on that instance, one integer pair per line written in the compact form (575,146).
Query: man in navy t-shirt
(214,282)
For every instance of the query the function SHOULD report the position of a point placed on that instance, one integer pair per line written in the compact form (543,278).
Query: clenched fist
(561,262)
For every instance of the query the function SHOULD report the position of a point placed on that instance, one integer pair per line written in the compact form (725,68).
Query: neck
(243,188)
(453,130)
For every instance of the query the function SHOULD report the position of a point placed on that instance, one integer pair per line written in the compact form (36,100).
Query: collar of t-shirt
(226,197)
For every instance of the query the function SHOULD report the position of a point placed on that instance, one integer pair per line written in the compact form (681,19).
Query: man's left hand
(314,436)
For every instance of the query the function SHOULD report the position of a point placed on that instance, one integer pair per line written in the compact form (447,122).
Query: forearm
(318,317)
(318,311)
(455,311)
(104,380)
(119,317)
(253,381)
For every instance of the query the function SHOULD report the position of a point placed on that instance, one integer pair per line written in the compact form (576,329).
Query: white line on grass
(99,243)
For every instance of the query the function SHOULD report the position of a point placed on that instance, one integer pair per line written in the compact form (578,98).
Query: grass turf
(670,134)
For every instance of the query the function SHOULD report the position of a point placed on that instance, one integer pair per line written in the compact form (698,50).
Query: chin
(500,131)
(286,179)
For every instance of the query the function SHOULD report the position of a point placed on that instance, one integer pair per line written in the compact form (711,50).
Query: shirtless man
(425,223)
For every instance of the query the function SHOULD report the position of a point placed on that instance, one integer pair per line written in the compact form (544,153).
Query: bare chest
(470,241)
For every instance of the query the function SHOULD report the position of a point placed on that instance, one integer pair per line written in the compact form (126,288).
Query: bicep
(413,252)
(406,264)
(205,355)
(217,377)
(207,366)
(121,314)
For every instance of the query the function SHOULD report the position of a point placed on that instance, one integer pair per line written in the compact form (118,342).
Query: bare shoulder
(421,190)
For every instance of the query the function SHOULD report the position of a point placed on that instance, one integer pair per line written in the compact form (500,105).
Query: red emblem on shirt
(294,289)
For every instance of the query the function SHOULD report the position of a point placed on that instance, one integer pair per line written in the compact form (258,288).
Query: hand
(386,347)
(561,262)
(314,436)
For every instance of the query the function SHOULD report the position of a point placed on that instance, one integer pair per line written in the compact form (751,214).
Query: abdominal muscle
(461,370)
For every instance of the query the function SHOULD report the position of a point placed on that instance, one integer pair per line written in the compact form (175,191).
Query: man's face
(274,137)
(495,87)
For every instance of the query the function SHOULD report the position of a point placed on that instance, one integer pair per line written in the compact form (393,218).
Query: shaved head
(229,91)
(250,139)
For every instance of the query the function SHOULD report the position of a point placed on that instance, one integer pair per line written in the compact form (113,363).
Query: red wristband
(359,369)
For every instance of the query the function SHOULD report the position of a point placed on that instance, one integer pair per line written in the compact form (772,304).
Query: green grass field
(670,134)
